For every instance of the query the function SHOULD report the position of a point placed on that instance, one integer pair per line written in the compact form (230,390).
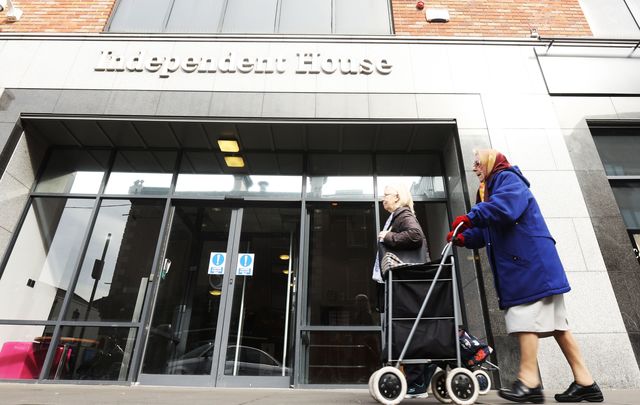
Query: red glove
(462,219)
(458,241)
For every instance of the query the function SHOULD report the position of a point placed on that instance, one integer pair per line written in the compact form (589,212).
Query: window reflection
(239,185)
(73,171)
(342,357)
(340,289)
(627,196)
(141,172)
(94,353)
(117,264)
(34,282)
(619,154)
(340,187)
(419,187)
(23,350)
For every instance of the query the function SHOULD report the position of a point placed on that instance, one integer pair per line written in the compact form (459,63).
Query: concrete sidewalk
(49,394)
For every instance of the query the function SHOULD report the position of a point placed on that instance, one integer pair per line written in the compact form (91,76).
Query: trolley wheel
(371,384)
(484,381)
(462,386)
(439,387)
(389,385)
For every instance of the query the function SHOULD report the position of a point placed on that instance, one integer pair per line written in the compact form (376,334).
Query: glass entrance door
(259,323)
(224,298)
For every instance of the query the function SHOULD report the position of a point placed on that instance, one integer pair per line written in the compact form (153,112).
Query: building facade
(190,190)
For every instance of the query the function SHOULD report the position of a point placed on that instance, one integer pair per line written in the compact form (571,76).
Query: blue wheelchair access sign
(216,262)
(245,264)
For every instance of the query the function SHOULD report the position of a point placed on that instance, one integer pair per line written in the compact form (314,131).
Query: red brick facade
(493,18)
(59,16)
(470,18)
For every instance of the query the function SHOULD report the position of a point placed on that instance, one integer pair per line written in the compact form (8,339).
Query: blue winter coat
(522,253)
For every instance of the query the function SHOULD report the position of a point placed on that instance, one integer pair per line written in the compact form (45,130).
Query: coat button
(515,258)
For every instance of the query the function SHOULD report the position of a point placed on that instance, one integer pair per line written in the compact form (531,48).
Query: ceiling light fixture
(234,161)
(228,145)
(284,257)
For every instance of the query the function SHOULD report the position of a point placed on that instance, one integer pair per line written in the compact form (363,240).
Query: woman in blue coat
(528,275)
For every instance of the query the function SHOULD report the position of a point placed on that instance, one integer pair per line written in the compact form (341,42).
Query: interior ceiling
(327,144)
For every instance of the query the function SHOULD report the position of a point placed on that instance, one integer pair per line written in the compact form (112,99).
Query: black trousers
(419,374)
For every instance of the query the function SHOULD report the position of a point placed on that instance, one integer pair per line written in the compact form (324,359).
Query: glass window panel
(227,185)
(609,18)
(250,16)
(73,171)
(339,187)
(628,198)
(183,341)
(141,173)
(341,357)
(304,17)
(421,188)
(343,237)
(140,16)
(260,315)
(195,16)
(114,276)
(619,154)
(362,17)
(95,353)
(23,349)
(37,275)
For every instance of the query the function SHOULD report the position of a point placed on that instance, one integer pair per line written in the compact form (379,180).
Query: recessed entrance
(250,276)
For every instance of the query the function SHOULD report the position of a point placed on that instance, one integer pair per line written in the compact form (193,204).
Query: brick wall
(471,18)
(493,18)
(59,16)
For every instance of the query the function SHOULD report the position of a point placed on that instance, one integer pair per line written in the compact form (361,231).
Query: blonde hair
(404,196)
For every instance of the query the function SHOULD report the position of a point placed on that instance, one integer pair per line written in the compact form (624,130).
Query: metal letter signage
(231,63)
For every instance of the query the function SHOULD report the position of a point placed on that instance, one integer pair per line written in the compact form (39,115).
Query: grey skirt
(542,317)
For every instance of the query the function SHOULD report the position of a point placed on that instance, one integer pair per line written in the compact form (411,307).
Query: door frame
(216,378)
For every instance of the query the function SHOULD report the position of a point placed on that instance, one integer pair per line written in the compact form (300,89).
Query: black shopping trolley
(420,329)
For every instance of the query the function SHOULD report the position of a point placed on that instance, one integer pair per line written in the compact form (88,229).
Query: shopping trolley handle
(455,231)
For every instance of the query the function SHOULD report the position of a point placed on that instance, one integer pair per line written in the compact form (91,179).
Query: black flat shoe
(521,393)
(578,393)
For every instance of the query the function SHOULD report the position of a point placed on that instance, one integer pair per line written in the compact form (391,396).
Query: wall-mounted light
(228,145)
(234,161)
(215,292)
(284,257)
(437,15)
(285,271)
(533,33)
(13,13)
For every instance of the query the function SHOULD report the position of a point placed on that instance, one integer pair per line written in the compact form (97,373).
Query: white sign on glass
(216,262)
(245,264)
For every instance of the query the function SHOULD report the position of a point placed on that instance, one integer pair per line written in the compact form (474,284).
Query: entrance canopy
(277,147)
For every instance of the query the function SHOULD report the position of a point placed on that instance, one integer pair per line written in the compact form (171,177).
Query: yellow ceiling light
(285,271)
(234,161)
(215,292)
(228,145)
(284,257)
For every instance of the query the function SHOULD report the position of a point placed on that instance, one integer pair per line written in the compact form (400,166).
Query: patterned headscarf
(495,163)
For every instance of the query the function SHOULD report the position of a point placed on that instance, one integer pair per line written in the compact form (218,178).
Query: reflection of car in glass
(251,361)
